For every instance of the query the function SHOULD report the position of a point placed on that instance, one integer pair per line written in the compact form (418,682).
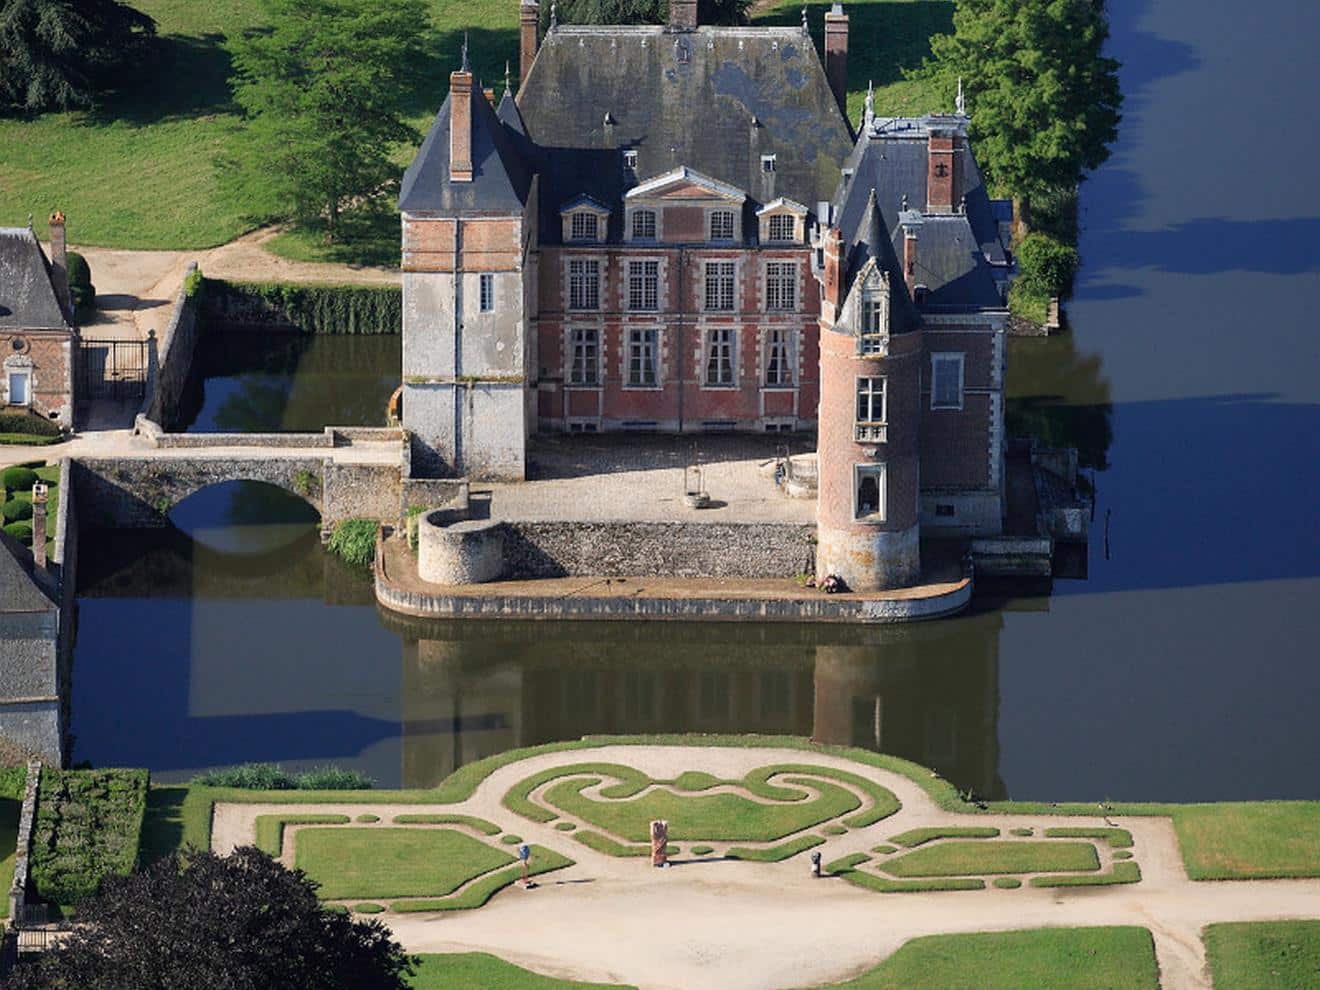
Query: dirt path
(752,926)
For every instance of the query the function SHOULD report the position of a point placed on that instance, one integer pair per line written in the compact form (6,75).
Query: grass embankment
(140,172)
(1241,841)
(378,863)
(1267,955)
(986,857)
(1045,959)
(480,971)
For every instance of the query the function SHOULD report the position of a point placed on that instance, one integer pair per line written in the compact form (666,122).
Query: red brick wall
(47,350)
(955,443)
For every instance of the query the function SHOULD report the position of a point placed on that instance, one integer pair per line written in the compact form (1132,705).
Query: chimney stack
(460,122)
(39,491)
(944,171)
(682,15)
(59,263)
(911,222)
(836,55)
(832,300)
(529,17)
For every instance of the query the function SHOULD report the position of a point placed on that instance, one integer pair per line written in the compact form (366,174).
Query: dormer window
(721,225)
(643,225)
(782,227)
(767,163)
(584,226)
(630,159)
(875,321)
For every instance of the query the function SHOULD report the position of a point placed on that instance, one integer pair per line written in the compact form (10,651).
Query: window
(642,362)
(719,286)
(778,358)
(630,159)
(870,425)
(875,322)
(18,388)
(643,225)
(583,284)
(586,358)
(721,225)
(781,286)
(782,227)
(946,381)
(584,226)
(767,163)
(869,492)
(487,282)
(719,358)
(945,510)
(644,286)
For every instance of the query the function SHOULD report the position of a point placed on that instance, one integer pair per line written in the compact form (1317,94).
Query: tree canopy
(242,921)
(642,11)
(1043,98)
(58,54)
(321,87)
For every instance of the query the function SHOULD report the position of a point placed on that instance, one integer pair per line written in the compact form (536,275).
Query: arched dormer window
(584,221)
(873,333)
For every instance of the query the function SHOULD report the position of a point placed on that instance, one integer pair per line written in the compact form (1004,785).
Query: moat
(1181,668)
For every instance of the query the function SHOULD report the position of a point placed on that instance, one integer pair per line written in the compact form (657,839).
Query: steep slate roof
(950,264)
(18,591)
(871,240)
(501,177)
(715,99)
(27,297)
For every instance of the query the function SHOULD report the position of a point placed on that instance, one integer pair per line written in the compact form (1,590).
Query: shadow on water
(1213,246)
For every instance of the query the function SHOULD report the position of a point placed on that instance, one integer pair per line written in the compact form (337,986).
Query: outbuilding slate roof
(715,99)
(18,591)
(27,297)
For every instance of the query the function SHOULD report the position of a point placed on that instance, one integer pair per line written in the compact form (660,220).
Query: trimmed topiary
(19,479)
(21,531)
(28,423)
(81,290)
(17,509)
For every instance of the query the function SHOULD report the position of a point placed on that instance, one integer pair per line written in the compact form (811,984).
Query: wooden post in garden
(659,843)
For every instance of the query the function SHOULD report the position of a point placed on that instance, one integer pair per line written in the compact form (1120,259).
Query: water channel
(1182,668)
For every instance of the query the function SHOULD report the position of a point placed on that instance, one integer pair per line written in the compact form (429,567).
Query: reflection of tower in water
(928,693)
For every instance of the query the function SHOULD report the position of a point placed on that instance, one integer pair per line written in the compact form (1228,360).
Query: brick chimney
(39,491)
(836,55)
(911,221)
(682,15)
(944,172)
(460,123)
(59,263)
(832,300)
(529,18)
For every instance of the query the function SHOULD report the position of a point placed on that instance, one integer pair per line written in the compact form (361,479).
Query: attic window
(584,226)
(782,227)
(721,225)
(630,159)
(643,225)
(767,163)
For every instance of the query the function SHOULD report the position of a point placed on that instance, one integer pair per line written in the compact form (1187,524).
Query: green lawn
(1271,955)
(1044,959)
(919,836)
(1243,841)
(140,171)
(480,891)
(961,859)
(9,809)
(268,834)
(1118,838)
(376,863)
(479,971)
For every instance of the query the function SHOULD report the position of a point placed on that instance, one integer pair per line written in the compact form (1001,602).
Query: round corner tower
(867,517)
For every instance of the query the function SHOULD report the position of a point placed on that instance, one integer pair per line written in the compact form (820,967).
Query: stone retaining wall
(170,357)
(26,818)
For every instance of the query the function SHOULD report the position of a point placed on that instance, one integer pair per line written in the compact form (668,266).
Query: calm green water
(1182,667)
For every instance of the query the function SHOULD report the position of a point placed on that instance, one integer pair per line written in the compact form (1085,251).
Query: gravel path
(754,926)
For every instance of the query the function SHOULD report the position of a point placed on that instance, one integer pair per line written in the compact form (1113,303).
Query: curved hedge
(17,510)
(19,479)
(25,422)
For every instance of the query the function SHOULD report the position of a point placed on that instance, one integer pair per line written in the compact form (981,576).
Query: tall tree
(57,54)
(241,921)
(322,86)
(1043,97)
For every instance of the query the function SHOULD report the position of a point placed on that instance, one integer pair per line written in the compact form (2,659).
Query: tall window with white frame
(869,492)
(584,226)
(946,380)
(643,225)
(782,227)
(719,286)
(875,321)
(871,424)
(721,225)
(720,357)
(644,286)
(584,284)
(781,286)
(486,282)
(778,357)
(643,359)
(585,366)
(20,388)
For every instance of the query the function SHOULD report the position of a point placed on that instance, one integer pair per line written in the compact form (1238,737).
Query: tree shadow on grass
(162,826)
(180,77)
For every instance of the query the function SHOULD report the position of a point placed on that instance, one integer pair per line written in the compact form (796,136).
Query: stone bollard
(815,864)
(659,843)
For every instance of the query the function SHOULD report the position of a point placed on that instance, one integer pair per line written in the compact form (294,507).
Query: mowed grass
(1244,841)
(9,809)
(376,863)
(1044,959)
(962,859)
(140,172)
(481,971)
(1269,955)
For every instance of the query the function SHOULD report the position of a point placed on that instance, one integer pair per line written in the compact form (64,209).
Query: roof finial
(465,53)
(904,204)
(962,102)
(868,115)
(29,221)
(554,16)
(507,90)
(805,28)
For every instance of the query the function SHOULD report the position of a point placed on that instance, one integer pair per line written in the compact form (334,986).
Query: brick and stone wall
(47,355)
(170,358)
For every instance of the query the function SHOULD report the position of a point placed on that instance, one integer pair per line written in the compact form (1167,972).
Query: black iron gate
(112,369)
